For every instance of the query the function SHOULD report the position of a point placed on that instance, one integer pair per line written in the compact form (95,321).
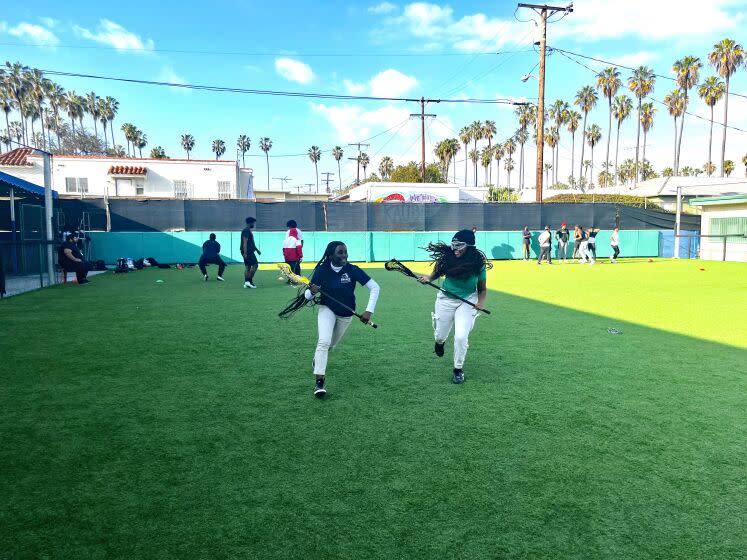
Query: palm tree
(112,107)
(265,144)
(551,139)
(593,136)
(158,153)
(558,112)
(728,167)
(476,134)
(442,156)
(521,138)
(647,121)
(527,115)
(509,166)
(572,122)
(73,107)
(474,157)
(608,82)
(686,71)
(621,108)
(218,148)
(465,135)
(641,83)
(315,155)
(586,99)
(103,118)
(129,133)
(6,104)
(92,108)
(56,96)
(337,153)
(498,151)
(744,162)
(188,143)
(726,57)
(676,105)
(16,84)
(37,90)
(486,157)
(365,161)
(141,140)
(488,131)
(243,144)
(711,91)
(386,166)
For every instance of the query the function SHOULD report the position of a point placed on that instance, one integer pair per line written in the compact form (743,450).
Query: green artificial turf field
(176,420)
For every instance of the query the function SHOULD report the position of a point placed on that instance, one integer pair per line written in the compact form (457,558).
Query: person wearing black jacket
(71,259)
(563,235)
(248,248)
(211,255)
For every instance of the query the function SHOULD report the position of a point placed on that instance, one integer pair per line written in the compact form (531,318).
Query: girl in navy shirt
(337,278)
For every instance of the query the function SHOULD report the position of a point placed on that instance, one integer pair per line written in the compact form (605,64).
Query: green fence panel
(111,246)
(401,246)
(648,243)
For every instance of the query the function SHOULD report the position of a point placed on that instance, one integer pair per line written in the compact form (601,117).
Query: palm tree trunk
(509,178)
(591,176)
(679,142)
(726,115)
(498,173)
(243,160)
(617,149)
(267,157)
(675,145)
(710,143)
(583,144)
(573,151)
(638,141)
(644,148)
(339,174)
(521,167)
(95,127)
(609,133)
(111,127)
(316,169)
(466,157)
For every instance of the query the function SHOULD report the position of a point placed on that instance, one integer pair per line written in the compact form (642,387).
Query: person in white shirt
(615,244)
(545,241)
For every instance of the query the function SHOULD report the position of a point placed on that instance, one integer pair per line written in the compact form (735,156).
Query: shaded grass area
(175,420)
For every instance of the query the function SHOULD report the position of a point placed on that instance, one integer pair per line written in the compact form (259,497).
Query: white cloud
(353,123)
(33,33)
(664,19)
(391,83)
(632,59)
(114,35)
(294,70)
(352,88)
(383,8)
(49,22)
(170,76)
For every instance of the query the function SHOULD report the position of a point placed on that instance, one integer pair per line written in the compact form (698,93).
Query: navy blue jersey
(211,248)
(339,285)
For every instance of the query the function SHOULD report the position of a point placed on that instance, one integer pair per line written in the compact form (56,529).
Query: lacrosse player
(465,268)
(335,278)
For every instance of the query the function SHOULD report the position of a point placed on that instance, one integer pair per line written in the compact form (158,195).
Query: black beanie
(466,236)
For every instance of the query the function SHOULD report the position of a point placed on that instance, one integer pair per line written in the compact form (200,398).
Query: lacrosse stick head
(397,266)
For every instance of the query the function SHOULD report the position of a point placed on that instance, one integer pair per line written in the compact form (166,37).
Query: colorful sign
(411,196)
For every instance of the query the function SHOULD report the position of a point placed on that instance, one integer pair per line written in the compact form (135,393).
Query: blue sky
(380,48)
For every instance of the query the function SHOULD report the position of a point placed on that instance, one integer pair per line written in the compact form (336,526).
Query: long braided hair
(300,300)
(446,263)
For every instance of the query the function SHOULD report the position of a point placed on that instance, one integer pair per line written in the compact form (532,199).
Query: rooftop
(16,158)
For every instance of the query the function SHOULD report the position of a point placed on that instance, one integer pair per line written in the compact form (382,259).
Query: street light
(526,77)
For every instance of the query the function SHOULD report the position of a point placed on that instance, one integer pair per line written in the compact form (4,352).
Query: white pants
(331,330)
(583,252)
(450,312)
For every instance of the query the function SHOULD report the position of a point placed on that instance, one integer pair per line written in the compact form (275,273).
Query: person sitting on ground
(211,255)
(71,259)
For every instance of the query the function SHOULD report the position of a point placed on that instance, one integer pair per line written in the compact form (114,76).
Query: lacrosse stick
(287,274)
(397,266)
(338,302)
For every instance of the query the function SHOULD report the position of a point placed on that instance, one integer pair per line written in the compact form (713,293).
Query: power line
(607,62)
(255,53)
(278,93)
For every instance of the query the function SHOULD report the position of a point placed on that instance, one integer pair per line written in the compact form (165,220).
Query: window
(224,189)
(182,189)
(76,184)
(730,226)
(139,191)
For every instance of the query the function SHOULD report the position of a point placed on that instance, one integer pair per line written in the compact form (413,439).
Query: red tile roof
(16,157)
(127,170)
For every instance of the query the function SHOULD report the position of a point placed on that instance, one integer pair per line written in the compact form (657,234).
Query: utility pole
(358,160)
(326,179)
(544,12)
(283,181)
(422,116)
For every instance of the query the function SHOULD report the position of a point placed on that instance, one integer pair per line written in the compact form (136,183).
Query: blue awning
(9,181)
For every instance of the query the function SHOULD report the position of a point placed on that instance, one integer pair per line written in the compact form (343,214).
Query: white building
(723,216)
(387,192)
(129,177)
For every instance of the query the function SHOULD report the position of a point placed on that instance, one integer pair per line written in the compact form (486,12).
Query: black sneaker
(319,391)
(439,349)
(206,277)
(458,376)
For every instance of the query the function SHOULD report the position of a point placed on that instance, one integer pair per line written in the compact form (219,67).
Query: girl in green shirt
(464,268)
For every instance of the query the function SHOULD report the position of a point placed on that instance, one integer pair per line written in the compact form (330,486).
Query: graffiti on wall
(410,196)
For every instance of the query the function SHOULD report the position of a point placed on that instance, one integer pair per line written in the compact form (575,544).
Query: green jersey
(464,287)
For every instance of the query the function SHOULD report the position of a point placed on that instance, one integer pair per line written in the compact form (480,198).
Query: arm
(243,246)
(482,292)
(432,277)
(372,298)
(69,255)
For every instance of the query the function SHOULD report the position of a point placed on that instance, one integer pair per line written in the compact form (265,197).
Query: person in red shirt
(293,251)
